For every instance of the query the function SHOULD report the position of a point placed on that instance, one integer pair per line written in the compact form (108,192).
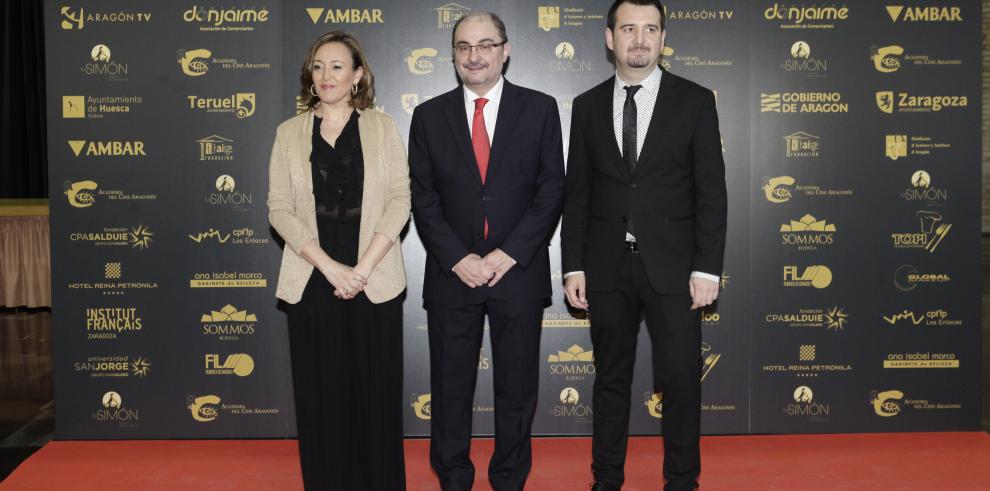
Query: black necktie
(629,127)
(629,136)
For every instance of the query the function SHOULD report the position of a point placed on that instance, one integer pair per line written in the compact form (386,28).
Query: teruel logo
(215,19)
(203,408)
(194,62)
(900,13)
(886,404)
(422,407)
(107,148)
(890,102)
(447,15)
(887,59)
(240,364)
(242,104)
(345,16)
(818,276)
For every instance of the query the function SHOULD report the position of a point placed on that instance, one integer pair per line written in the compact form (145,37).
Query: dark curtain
(23,151)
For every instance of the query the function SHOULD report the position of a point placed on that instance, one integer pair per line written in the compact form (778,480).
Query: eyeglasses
(483,48)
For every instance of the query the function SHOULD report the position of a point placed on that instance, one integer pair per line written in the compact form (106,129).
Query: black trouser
(675,333)
(456,333)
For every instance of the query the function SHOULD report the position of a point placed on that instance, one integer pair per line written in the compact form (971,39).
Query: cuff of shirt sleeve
(705,276)
(572,273)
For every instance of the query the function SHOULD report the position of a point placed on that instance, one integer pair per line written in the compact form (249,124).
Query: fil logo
(240,364)
(71,20)
(548,17)
(448,15)
(818,276)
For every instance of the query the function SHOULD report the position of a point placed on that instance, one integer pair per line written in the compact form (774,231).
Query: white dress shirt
(494,96)
(646,101)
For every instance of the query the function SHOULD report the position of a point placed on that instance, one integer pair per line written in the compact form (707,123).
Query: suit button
(622,219)
(486,198)
(632,186)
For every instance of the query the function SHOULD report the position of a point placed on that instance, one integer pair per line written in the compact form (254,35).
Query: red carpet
(957,461)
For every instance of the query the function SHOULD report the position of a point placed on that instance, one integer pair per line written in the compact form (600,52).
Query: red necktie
(479,140)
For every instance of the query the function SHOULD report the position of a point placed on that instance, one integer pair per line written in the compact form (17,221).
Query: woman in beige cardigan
(339,197)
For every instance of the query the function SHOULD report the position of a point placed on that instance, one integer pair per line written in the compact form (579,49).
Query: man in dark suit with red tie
(487,172)
(643,234)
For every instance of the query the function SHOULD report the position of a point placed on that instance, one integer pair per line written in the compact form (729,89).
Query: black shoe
(597,486)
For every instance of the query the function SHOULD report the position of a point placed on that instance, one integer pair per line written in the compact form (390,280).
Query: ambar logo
(900,13)
(107,148)
(345,16)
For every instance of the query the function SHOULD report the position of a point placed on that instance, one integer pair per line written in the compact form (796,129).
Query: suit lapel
(457,120)
(651,151)
(605,116)
(509,109)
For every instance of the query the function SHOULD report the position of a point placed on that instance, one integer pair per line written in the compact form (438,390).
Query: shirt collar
(493,94)
(651,83)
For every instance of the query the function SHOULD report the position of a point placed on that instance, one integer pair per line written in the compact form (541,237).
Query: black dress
(346,354)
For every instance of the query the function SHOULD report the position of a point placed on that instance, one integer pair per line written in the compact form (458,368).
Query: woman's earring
(312,90)
(354,89)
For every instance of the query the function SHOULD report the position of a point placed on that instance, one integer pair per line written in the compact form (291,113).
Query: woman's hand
(345,280)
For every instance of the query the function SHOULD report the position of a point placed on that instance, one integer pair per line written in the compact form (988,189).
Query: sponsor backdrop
(851,140)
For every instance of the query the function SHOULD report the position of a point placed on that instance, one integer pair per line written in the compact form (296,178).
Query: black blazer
(676,197)
(522,196)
